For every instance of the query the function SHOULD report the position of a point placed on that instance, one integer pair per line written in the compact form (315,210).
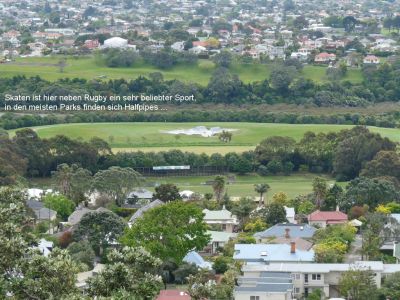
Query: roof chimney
(337,208)
(292,247)
(287,235)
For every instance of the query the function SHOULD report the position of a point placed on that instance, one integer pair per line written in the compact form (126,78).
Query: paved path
(354,254)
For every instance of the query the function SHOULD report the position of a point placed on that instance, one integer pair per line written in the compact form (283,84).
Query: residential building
(371,59)
(268,253)
(310,276)
(138,198)
(41,213)
(138,214)
(325,218)
(218,240)
(325,57)
(303,231)
(266,286)
(220,219)
(194,258)
(290,215)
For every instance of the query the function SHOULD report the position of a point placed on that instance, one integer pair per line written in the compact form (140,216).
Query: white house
(220,218)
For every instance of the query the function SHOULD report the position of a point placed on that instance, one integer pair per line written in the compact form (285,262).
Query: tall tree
(116,182)
(101,229)
(358,284)
(218,187)
(261,188)
(167,192)
(169,231)
(320,190)
(131,272)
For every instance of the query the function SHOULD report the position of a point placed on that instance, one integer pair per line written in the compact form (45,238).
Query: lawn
(294,185)
(86,67)
(152,136)
(244,185)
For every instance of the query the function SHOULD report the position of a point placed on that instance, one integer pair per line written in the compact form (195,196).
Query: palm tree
(218,187)
(261,188)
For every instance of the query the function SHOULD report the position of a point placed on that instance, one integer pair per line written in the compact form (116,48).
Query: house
(267,286)
(139,198)
(143,209)
(268,253)
(198,50)
(290,214)
(186,194)
(222,219)
(371,59)
(218,240)
(173,295)
(324,57)
(325,218)
(178,46)
(79,212)
(307,277)
(91,44)
(41,213)
(194,258)
(303,231)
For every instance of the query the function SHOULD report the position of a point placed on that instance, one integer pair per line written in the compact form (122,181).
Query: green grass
(244,185)
(137,136)
(294,185)
(86,67)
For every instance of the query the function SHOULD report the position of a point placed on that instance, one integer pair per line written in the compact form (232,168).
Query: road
(354,253)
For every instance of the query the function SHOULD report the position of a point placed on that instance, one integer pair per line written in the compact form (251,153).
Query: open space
(151,136)
(88,68)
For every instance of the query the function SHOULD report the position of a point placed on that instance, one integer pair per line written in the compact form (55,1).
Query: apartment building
(307,277)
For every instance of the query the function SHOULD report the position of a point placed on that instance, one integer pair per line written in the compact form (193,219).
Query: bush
(221,264)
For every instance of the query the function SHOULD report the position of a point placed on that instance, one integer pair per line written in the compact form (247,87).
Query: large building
(307,277)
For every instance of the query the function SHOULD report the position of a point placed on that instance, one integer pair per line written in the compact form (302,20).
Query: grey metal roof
(145,208)
(33,204)
(279,230)
(44,213)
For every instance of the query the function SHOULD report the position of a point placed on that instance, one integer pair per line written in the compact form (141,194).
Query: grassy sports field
(153,136)
(88,68)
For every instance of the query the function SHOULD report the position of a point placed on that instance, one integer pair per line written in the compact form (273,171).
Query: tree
(116,182)
(315,295)
(281,198)
(385,163)
(221,264)
(243,208)
(358,284)
(371,192)
(41,277)
(274,213)
(100,229)
(132,271)
(320,190)
(72,181)
(59,203)
(275,148)
(391,286)
(223,59)
(169,231)
(81,252)
(14,234)
(225,136)
(261,189)
(167,192)
(349,23)
(281,77)
(218,187)
(200,287)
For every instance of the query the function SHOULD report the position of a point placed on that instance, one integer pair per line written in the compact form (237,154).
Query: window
(254,297)
(297,290)
(316,277)
(223,226)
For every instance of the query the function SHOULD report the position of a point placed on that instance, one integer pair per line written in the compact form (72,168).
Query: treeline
(345,154)
(284,85)
(251,114)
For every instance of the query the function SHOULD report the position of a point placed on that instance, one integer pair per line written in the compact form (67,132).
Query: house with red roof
(324,57)
(326,218)
(172,295)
